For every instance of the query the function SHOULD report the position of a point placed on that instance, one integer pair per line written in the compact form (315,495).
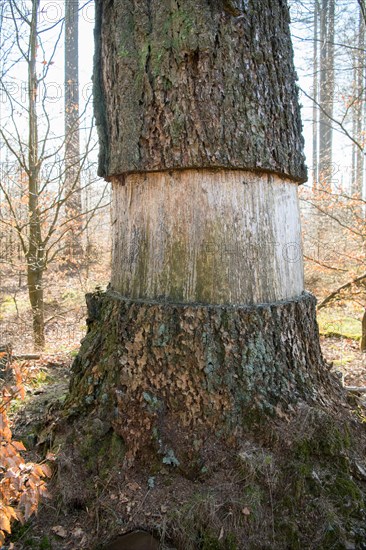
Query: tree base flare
(163,375)
(211,427)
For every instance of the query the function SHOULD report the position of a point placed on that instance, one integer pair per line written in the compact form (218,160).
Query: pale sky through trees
(346,17)
(15,81)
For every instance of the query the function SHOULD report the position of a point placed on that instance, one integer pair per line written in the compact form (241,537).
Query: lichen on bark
(160,372)
(188,84)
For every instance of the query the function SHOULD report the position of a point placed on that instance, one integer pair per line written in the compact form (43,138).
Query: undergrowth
(22,484)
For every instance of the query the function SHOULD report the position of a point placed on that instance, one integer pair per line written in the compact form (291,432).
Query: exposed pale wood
(214,237)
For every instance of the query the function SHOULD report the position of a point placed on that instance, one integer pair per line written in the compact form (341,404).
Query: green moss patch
(331,324)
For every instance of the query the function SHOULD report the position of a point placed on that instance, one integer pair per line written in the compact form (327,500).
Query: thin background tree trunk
(35,253)
(326,90)
(72,133)
(360,107)
(315,95)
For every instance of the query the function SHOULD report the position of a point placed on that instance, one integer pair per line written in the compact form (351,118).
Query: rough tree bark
(200,131)
(195,87)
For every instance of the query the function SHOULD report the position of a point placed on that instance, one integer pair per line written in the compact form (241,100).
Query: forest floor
(73,528)
(58,527)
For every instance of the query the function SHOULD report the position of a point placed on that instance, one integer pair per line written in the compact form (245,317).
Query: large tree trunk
(201,136)
(206,331)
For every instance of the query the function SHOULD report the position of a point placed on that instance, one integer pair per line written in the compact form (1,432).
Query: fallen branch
(335,293)
(324,265)
(360,389)
(6,352)
(26,357)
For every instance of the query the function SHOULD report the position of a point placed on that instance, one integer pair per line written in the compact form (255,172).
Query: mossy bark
(164,374)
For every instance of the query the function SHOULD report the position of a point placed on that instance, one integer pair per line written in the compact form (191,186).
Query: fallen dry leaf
(59,531)
(51,456)
(134,486)
(77,532)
